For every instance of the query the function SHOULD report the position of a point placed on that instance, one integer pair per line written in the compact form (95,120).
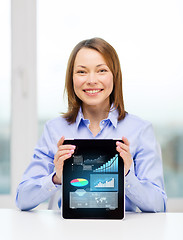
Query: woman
(96,110)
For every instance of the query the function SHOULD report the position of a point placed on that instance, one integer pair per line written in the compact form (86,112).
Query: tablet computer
(93,181)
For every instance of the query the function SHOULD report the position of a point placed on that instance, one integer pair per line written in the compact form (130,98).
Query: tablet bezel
(93,213)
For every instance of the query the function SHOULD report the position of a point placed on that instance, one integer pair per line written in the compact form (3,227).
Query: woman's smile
(93,92)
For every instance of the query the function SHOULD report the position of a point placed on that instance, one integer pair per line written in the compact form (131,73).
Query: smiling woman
(96,111)
(93,73)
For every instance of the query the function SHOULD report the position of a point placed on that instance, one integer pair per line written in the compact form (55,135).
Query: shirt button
(50,189)
(103,122)
(128,186)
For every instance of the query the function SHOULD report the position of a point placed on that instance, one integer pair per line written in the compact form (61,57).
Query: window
(150,50)
(5,97)
(17,88)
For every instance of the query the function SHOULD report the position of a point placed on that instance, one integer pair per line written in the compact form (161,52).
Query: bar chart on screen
(110,166)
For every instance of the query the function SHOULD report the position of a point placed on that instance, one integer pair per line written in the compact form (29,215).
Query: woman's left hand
(124,152)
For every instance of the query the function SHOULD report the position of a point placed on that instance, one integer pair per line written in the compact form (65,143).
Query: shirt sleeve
(144,185)
(36,185)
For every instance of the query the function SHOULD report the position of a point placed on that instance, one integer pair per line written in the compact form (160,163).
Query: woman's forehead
(87,56)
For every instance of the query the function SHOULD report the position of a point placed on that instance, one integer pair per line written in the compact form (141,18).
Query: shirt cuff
(130,178)
(49,186)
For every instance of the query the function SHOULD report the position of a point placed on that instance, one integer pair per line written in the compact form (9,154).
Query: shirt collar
(112,117)
(80,118)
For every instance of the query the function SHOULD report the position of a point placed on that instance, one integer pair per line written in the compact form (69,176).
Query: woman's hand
(124,152)
(64,152)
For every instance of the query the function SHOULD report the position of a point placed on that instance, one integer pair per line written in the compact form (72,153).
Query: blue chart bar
(110,166)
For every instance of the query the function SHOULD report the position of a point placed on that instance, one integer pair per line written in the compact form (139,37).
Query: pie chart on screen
(79,182)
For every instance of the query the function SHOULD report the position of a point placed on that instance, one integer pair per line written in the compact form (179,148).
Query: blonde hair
(112,61)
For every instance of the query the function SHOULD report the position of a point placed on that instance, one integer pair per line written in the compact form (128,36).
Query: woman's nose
(92,78)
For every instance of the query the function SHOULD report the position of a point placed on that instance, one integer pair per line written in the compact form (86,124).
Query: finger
(65,152)
(123,146)
(61,141)
(127,159)
(125,140)
(66,147)
(62,159)
(59,159)
(124,154)
(62,153)
(119,149)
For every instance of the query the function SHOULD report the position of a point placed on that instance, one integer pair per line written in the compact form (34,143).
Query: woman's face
(92,78)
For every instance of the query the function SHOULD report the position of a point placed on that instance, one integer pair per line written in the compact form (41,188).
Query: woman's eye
(81,72)
(102,70)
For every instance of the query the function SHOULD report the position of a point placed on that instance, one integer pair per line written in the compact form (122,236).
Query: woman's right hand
(64,152)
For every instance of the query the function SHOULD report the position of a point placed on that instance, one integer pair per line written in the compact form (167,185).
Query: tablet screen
(93,181)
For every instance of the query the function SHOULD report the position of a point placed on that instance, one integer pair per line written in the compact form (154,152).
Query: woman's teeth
(92,91)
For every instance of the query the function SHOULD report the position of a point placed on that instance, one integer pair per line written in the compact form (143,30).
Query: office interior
(36,40)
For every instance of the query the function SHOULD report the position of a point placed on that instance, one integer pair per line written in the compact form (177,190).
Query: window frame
(23,92)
